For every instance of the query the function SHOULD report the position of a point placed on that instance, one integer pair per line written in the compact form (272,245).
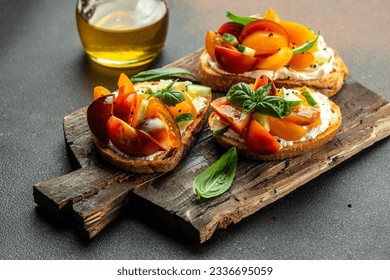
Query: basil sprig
(218,178)
(169,96)
(243,96)
(307,46)
(240,19)
(159,73)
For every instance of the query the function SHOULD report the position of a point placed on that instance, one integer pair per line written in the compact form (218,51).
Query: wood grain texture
(96,193)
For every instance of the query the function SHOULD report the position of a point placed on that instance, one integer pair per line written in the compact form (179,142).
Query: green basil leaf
(218,178)
(262,91)
(307,46)
(184,117)
(160,73)
(247,106)
(242,95)
(274,106)
(171,97)
(240,19)
(239,94)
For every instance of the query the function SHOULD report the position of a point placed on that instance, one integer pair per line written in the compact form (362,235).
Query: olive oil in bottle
(122,33)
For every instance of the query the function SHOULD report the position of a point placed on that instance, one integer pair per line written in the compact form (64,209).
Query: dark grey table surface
(343,214)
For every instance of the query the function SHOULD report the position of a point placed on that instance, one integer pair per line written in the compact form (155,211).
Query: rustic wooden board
(95,193)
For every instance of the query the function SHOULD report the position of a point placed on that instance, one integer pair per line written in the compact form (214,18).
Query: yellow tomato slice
(183,107)
(270,14)
(265,42)
(124,84)
(302,61)
(157,109)
(299,34)
(100,91)
(286,130)
(317,122)
(275,61)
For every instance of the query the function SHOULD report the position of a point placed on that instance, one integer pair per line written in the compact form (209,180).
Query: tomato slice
(155,127)
(129,140)
(157,109)
(263,25)
(301,61)
(125,104)
(100,91)
(213,39)
(98,113)
(261,80)
(299,34)
(233,61)
(272,15)
(125,84)
(285,129)
(231,28)
(303,115)
(259,140)
(232,115)
(265,41)
(317,122)
(183,107)
(275,61)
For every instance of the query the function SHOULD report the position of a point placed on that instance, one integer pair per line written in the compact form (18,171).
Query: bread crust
(298,148)
(328,86)
(164,161)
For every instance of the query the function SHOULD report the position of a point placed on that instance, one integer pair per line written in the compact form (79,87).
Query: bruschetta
(147,127)
(268,123)
(289,53)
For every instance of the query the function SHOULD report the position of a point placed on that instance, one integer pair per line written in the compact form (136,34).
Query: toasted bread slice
(160,162)
(328,86)
(298,148)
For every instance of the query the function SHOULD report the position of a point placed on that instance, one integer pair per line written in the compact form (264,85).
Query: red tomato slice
(232,115)
(125,105)
(213,39)
(129,140)
(261,81)
(259,140)
(233,61)
(155,127)
(265,25)
(231,28)
(98,113)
